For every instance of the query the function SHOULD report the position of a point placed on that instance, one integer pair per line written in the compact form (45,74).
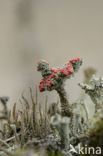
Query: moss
(96,133)
(56,153)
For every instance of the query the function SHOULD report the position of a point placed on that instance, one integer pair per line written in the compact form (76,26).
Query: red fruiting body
(75,60)
(52,78)
(57,77)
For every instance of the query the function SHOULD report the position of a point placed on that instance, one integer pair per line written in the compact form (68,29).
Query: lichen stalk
(66,108)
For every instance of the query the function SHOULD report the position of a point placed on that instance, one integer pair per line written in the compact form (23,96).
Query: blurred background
(54,30)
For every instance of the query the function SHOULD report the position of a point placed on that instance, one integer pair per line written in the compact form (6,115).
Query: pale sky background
(54,30)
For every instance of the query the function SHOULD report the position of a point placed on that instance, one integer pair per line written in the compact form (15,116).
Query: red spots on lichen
(45,82)
(39,61)
(51,82)
(57,77)
(66,73)
(41,85)
(75,60)
(52,75)
(52,78)
(53,70)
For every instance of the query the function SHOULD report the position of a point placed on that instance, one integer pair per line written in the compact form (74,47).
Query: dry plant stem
(26,102)
(16,136)
(85,109)
(33,109)
(46,115)
(5,109)
(36,96)
(4,143)
(12,138)
(66,108)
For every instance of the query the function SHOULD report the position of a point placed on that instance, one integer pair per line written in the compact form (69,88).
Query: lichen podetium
(54,79)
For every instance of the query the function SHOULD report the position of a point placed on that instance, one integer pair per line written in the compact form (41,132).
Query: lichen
(95,90)
(54,79)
